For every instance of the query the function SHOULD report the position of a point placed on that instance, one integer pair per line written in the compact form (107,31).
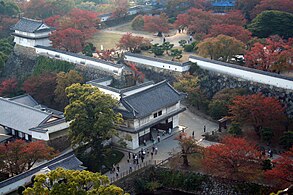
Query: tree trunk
(185,160)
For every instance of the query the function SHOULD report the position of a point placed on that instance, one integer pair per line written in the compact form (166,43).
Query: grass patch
(100,163)
(108,40)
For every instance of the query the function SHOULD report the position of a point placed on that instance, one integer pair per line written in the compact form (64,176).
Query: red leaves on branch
(19,156)
(131,43)
(234,158)
(42,88)
(8,87)
(69,39)
(275,55)
(156,23)
(138,75)
(282,173)
(258,111)
(235,31)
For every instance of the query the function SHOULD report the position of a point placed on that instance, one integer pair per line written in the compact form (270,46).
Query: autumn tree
(280,5)
(188,146)
(234,158)
(19,156)
(137,23)
(238,32)
(106,55)
(83,20)
(190,84)
(41,87)
(131,43)
(70,39)
(138,75)
(282,173)
(9,87)
(92,117)
(258,111)
(218,106)
(221,48)
(158,24)
(274,55)
(121,8)
(64,80)
(196,20)
(62,181)
(8,11)
(272,22)
(234,17)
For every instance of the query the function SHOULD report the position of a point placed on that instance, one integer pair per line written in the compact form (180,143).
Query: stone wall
(213,82)
(20,63)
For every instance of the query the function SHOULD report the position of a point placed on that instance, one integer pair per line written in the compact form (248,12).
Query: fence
(133,168)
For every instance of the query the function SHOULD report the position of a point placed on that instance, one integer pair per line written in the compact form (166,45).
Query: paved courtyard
(168,146)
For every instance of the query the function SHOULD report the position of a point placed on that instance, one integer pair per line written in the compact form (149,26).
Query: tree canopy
(19,156)
(61,181)
(91,113)
(221,48)
(272,22)
(234,158)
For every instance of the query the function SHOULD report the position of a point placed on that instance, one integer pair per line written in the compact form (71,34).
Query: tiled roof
(69,163)
(29,25)
(243,68)
(152,99)
(19,116)
(25,99)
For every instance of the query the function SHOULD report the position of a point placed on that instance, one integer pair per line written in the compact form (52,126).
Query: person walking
(156,150)
(118,168)
(193,134)
(204,128)
(159,138)
(152,155)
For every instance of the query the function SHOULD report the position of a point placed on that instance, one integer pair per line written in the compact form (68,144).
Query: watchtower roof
(31,25)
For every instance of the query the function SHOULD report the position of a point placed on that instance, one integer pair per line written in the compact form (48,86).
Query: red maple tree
(69,39)
(19,156)
(235,31)
(138,75)
(282,173)
(234,158)
(258,111)
(42,88)
(234,17)
(274,55)
(156,23)
(8,87)
(131,43)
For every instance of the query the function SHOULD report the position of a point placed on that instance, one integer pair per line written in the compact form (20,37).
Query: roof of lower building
(25,99)
(154,98)
(19,113)
(69,163)
(30,25)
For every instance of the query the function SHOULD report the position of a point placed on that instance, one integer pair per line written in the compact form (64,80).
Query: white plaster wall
(32,34)
(130,144)
(156,64)
(176,121)
(113,94)
(58,127)
(77,60)
(43,42)
(247,75)
(24,42)
(40,136)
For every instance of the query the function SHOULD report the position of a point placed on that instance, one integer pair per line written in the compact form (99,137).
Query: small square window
(155,115)
(160,113)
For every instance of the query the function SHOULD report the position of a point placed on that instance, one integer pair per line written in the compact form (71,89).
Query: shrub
(137,23)
(188,48)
